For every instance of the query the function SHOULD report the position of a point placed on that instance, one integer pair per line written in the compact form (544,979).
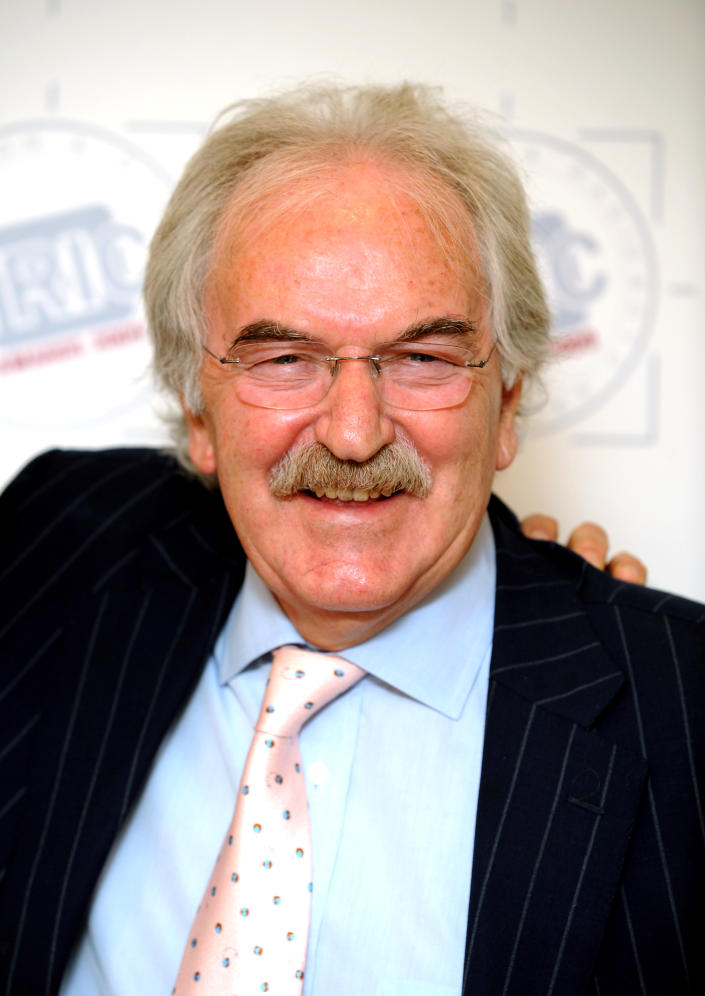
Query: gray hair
(264,144)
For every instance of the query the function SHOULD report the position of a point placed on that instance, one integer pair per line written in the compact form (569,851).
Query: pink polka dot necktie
(251,930)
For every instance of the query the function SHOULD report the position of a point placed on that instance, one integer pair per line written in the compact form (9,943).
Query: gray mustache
(396,467)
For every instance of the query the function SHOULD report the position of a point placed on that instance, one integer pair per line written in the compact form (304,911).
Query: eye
(284,363)
(283,358)
(424,357)
(272,354)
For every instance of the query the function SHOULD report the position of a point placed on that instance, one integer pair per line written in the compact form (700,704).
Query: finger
(590,541)
(540,527)
(627,567)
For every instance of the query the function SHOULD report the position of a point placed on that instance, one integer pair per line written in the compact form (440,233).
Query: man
(343,297)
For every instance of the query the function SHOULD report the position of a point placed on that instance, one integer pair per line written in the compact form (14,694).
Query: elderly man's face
(354,269)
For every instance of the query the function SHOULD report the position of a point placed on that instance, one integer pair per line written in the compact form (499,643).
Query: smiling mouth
(358,495)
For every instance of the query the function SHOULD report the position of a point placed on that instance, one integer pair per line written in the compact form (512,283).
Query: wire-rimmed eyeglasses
(289,374)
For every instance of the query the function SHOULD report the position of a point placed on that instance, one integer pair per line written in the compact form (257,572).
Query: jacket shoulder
(523,561)
(75,478)
(80,516)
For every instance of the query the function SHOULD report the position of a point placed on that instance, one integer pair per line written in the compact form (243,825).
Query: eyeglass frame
(334,361)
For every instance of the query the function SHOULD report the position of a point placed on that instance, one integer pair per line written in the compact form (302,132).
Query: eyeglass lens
(416,376)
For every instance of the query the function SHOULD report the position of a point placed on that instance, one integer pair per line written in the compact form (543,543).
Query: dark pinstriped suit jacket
(117,574)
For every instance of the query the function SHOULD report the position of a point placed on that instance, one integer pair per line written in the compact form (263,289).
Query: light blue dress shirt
(392,768)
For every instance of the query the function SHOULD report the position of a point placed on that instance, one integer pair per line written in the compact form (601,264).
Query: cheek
(249,440)
(459,445)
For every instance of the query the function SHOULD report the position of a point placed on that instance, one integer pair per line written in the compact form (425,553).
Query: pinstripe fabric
(107,628)
(588,873)
(589,870)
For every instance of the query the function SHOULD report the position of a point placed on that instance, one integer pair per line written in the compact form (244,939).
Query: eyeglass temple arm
(483,363)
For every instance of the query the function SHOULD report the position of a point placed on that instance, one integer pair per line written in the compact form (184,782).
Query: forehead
(358,233)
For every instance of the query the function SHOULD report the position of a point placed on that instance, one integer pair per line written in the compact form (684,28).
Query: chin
(349,596)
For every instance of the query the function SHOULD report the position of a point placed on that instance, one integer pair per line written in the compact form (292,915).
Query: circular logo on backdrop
(598,265)
(78,210)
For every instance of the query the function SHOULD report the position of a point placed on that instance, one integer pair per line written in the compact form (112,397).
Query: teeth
(343,495)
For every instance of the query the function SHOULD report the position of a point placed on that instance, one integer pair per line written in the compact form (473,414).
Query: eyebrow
(439,326)
(266,331)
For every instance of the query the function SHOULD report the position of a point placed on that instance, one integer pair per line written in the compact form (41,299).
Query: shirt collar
(432,653)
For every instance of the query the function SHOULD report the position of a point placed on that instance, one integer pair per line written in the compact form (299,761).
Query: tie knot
(300,683)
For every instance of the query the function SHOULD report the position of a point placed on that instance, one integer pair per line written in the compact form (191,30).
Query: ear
(200,442)
(507,440)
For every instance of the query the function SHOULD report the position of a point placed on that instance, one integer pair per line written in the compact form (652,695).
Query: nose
(353,422)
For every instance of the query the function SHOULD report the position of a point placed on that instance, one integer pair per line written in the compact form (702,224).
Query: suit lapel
(557,801)
(131,653)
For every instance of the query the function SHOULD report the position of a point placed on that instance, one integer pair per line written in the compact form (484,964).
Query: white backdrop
(102,102)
